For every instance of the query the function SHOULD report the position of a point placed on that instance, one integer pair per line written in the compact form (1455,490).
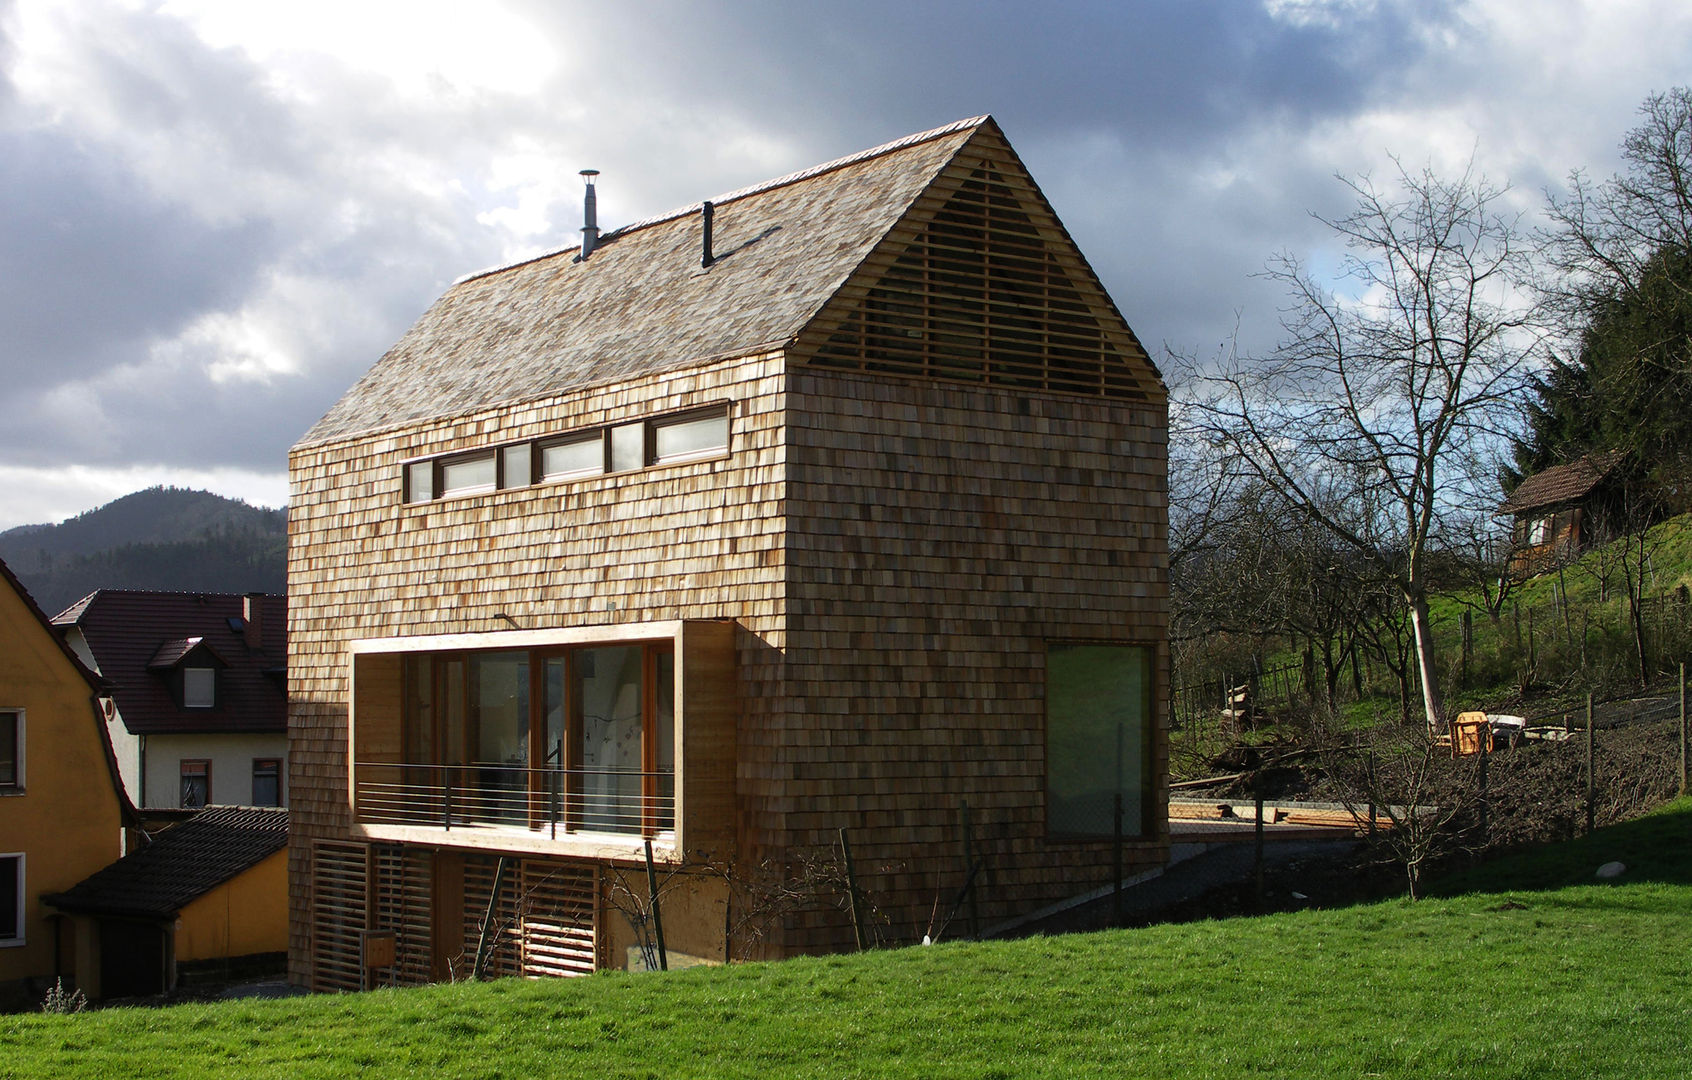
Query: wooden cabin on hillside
(835,503)
(1561,512)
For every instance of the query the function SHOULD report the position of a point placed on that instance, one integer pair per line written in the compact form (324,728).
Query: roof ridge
(902,143)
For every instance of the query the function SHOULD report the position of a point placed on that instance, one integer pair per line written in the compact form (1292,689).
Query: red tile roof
(126,630)
(1561,483)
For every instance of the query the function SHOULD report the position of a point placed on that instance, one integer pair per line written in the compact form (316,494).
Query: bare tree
(1374,414)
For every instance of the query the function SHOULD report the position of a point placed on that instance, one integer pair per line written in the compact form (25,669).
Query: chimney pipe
(252,614)
(590,216)
(706,211)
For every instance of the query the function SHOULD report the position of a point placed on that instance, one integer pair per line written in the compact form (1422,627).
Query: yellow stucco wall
(67,821)
(693,909)
(245,915)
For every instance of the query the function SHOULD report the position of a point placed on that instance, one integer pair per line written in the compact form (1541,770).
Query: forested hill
(160,538)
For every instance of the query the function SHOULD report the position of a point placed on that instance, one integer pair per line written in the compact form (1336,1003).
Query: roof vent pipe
(706,211)
(590,215)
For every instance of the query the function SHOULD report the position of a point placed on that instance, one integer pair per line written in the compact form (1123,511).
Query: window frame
(17,785)
(649,427)
(183,774)
(446,696)
(14,937)
(275,765)
(1147,745)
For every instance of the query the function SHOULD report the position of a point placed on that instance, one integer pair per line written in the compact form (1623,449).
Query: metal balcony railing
(553,801)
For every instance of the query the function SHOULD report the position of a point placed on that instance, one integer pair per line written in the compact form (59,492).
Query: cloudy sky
(214,215)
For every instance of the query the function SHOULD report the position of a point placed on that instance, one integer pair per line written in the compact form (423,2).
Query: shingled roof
(641,303)
(790,256)
(182,865)
(133,634)
(1562,483)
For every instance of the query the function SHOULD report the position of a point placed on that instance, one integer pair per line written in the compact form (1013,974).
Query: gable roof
(1562,483)
(135,636)
(95,684)
(641,303)
(790,260)
(183,864)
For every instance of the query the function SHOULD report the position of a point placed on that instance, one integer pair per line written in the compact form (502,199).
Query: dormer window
(190,668)
(199,687)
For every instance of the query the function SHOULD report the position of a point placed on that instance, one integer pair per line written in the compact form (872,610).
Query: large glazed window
(579,738)
(1098,738)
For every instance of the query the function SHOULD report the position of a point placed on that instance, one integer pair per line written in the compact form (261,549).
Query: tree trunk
(1432,703)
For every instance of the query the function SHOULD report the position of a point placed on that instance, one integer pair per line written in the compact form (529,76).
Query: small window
(581,455)
(468,475)
(695,435)
(419,481)
(11,899)
(267,782)
(199,687)
(11,751)
(628,447)
(514,466)
(1540,531)
(196,783)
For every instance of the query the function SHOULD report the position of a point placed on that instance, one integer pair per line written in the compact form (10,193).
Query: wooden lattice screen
(544,919)
(981,296)
(340,898)
(403,904)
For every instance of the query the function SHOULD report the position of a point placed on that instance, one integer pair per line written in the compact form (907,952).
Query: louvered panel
(339,886)
(404,905)
(560,905)
(982,297)
(504,940)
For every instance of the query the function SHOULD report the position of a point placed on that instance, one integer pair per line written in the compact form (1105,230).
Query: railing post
(446,797)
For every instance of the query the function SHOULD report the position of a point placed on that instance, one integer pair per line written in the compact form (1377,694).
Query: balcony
(576,742)
(554,802)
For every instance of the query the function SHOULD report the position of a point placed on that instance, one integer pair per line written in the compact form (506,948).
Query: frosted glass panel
(700,436)
(1098,709)
(462,476)
(628,447)
(576,457)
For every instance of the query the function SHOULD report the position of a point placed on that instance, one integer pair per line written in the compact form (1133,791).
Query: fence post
(1683,727)
(657,916)
(1485,753)
(1591,785)
(1257,872)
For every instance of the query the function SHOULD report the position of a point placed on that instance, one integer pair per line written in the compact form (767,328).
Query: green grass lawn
(1544,974)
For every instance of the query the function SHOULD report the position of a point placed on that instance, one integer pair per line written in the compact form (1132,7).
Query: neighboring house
(836,504)
(197,705)
(1563,511)
(209,893)
(62,811)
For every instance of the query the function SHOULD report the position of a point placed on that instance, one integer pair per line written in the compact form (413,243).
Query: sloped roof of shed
(1562,483)
(182,865)
(131,632)
(641,303)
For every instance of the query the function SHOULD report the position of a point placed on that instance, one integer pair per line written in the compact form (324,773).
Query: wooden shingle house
(835,503)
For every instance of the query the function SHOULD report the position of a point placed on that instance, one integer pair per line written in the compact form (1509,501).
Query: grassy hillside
(1558,977)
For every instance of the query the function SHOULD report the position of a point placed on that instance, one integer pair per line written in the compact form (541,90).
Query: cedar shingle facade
(897,493)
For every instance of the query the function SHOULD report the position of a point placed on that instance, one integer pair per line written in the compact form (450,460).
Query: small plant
(58,1001)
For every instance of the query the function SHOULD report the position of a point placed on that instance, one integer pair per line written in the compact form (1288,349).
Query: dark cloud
(96,265)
